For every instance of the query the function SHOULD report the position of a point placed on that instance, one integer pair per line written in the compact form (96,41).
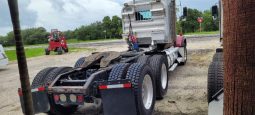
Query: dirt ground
(187,86)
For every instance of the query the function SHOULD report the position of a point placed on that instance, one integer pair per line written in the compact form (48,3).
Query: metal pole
(200,27)
(22,63)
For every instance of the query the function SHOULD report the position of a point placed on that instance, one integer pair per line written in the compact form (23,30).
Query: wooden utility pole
(239,56)
(22,63)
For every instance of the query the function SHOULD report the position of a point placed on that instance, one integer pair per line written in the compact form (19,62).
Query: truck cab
(151,21)
(3,57)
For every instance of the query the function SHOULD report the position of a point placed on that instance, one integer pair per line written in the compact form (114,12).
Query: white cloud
(5,30)
(70,14)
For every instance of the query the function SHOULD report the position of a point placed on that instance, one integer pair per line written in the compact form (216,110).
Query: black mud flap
(118,98)
(40,100)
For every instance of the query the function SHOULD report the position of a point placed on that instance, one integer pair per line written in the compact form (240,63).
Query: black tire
(156,62)
(56,109)
(60,51)
(215,79)
(143,59)
(185,55)
(79,62)
(219,50)
(218,57)
(39,78)
(47,52)
(66,50)
(136,73)
(119,71)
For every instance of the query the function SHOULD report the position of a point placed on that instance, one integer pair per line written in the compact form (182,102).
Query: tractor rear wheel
(159,66)
(66,50)
(47,52)
(144,87)
(60,51)
(57,109)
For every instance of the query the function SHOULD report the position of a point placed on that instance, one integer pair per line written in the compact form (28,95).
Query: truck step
(180,60)
(173,67)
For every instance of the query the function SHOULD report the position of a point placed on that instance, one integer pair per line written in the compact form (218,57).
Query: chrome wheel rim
(185,53)
(163,76)
(147,91)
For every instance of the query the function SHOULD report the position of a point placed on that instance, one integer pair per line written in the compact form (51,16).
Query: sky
(71,14)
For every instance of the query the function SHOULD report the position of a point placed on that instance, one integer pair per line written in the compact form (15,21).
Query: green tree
(80,33)
(98,30)
(34,35)
(9,39)
(107,26)
(116,26)
(209,24)
(191,24)
(69,34)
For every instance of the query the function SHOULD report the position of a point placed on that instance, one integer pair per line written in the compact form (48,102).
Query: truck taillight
(56,98)
(80,98)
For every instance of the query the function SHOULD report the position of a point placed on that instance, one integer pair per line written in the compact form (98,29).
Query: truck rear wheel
(119,71)
(159,65)
(218,56)
(215,79)
(143,59)
(57,109)
(39,78)
(79,62)
(144,87)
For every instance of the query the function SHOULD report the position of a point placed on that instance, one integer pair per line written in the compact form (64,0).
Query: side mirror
(215,11)
(185,12)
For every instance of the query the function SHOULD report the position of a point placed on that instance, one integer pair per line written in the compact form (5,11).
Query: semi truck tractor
(3,58)
(128,82)
(216,70)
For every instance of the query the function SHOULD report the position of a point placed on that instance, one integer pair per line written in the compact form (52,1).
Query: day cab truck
(128,82)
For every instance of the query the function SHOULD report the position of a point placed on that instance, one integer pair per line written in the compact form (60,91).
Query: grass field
(69,41)
(88,41)
(203,33)
(35,52)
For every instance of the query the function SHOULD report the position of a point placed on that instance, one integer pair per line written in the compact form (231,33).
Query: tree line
(191,24)
(108,28)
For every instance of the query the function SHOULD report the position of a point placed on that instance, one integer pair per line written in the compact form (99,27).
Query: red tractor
(57,43)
